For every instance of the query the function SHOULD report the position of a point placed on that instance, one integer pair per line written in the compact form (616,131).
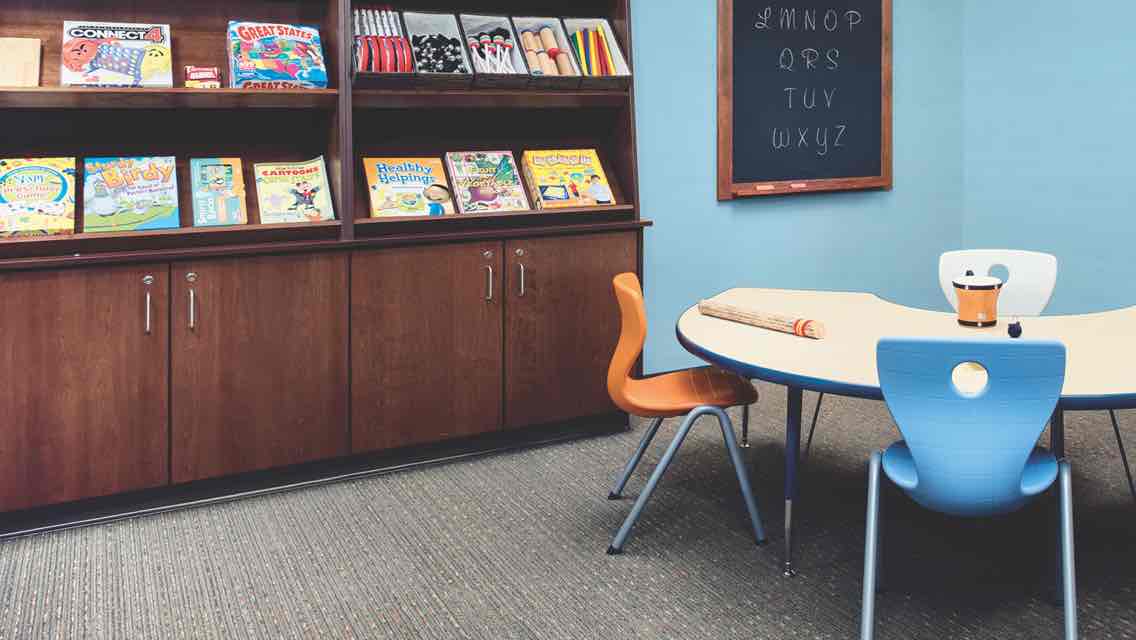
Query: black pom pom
(1015,329)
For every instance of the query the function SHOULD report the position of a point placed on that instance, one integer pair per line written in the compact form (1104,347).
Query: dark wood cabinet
(426,344)
(84,392)
(259,363)
(561,324)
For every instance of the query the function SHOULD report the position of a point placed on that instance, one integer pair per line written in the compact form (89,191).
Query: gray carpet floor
(512,546)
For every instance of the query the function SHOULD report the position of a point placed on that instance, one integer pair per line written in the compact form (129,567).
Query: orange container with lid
(977,299)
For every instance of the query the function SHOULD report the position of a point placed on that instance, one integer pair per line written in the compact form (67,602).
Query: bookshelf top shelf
(528,98)
(164,98)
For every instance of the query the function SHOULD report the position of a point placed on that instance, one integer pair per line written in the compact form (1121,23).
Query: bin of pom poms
(440,54)
(493,51)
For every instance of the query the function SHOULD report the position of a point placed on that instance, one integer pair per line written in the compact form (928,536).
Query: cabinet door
(84,392)
(561,324)
(425,344)
(259,363)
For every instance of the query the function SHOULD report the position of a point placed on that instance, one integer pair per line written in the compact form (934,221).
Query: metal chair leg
(745,427)
(1123,453)
(871,549)
(809,442)
(1068,573)
(617,490)
(743,476)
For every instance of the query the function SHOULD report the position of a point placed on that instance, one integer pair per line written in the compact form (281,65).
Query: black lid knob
(969,272)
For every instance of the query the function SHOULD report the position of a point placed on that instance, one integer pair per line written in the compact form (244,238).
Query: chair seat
(1038,475)
(675,394)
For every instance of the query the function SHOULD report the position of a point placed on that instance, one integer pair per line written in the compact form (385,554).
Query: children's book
(130,194)
(293,192)
(408,187)
(116,54)
(218,191)
(266,55)
(566,178)
(486,181)
(37,196)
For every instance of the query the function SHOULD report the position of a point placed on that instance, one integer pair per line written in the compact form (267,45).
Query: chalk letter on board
(779,141)
(810,57)
(831,20)
(805,99)
(790,90)
(854,18)
(833,54)
(788,19)
(762,23)
(829,96)
(787,59)
(840,129)
(810,19)
(822,144)
(802,137)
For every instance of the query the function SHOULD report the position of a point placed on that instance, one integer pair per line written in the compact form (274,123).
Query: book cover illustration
(567,178)
(116,54)
(265,55)
(486,181)
(37,196)
(130,194)
(218,191)
(293,192)
(408,187)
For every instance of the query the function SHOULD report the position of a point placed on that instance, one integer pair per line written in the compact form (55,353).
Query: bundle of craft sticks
(776,322)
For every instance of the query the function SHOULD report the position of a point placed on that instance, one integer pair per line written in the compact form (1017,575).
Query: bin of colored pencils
(598,54)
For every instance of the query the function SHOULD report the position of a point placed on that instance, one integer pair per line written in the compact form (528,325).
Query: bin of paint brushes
(494,51)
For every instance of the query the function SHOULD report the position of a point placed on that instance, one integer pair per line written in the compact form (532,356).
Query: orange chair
(693,393)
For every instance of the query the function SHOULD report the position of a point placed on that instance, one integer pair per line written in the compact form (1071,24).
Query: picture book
(265,55)
(37,196)
(408,187)
(116,54)
(293,192)
(486,181)
(130,194)
(218,191)
(566,178)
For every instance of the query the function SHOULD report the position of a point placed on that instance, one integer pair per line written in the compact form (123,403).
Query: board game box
(266,55)
(218,191)
(116,54)
(566,178)
(408,187)
(130,194)
(293,192)
(486,181)
(37,196)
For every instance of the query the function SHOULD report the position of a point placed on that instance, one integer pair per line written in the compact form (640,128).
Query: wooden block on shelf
(19,62)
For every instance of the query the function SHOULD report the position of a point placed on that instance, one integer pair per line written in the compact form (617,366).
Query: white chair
(1028,287)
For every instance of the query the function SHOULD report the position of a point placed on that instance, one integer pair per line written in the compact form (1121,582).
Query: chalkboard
(804,96)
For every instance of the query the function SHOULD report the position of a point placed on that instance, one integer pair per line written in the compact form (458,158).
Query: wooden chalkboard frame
(727,188)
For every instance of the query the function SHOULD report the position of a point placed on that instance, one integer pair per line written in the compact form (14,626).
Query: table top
(1100,370)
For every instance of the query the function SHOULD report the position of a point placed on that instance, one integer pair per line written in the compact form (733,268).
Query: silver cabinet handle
(192,310)
(522,266)
(148,280)
(488,283)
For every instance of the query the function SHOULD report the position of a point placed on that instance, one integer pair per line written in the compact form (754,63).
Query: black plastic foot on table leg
(612,551)
(614,496)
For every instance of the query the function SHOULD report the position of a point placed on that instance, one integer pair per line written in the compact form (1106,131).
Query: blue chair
(970,452)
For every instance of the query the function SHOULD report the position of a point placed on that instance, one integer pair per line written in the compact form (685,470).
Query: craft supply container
(387,80)
(446,24)
(472,25)
(622,77)
(535,25)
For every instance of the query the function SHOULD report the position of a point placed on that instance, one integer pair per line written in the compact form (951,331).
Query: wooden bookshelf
(218,321)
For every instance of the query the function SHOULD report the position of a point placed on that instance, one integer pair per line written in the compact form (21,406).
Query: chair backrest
(970,448)
(1027,290)
(632,334)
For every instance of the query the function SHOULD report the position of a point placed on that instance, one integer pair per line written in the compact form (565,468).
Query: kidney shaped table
(1099,372)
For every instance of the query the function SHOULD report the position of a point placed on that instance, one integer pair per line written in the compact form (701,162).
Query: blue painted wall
(885,242)
(1049,102)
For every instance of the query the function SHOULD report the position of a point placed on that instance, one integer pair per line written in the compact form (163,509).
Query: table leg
(792,458)
(1057,433)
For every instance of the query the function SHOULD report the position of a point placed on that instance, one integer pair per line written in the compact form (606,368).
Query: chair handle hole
(969,379)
